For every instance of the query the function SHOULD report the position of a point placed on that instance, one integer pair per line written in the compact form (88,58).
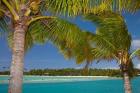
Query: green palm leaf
(111,34)
(3,26)
(75,7)
(135,53)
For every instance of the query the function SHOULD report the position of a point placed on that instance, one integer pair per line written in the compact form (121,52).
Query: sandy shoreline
(56,79)
(58,76)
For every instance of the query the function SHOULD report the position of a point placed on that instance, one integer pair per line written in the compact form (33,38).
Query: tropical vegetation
(27,21)
(72,72)
(112,41)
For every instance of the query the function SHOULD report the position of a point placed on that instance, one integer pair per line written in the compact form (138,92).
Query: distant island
(73,72)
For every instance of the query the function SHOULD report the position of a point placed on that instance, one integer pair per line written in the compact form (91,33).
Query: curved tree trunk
(124,61)
(86,69)
(127,83)
(16,70)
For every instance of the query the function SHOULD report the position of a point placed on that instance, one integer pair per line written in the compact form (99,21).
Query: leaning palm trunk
(86,69)
(16,72)
(125,65)
(127,84)
(126,77)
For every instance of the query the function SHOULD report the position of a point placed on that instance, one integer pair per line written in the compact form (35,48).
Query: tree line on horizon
(73,72)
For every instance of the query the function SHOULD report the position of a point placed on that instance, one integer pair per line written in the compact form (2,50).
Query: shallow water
(91,86)
(47,79)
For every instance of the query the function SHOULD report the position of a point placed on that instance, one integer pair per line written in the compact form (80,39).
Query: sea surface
(43,84)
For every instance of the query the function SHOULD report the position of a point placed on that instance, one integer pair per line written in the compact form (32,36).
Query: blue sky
(47,56)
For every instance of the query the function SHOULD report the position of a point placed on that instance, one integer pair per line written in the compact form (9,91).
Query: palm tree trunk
(127,84)
(16,70)
(86,69)
(124,67)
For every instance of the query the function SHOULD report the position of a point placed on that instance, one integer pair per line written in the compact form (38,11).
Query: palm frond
(124,5)
(3,26)
(55,30)
(1,12)
(111,35)
(64,30)
(75,7)
(29,42)
(112,27)
(65,7)
(10,39)
(135,53)
(38,32)
(82,49)
(104,49)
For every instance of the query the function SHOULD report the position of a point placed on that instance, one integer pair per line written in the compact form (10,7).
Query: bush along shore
(73,72)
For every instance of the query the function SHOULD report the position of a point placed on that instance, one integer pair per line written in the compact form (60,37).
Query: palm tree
(26,19)
(24,16)
(19,16)
(113,41)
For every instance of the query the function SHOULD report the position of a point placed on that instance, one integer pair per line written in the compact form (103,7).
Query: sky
(48,56)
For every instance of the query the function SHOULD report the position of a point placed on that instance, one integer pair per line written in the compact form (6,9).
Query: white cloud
(79,67)
(111,67)
(136,44)
(138,66)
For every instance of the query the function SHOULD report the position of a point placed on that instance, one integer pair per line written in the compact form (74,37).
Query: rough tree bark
(127,83)
(16,70)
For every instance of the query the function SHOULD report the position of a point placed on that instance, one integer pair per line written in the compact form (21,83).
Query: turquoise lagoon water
(37,84)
